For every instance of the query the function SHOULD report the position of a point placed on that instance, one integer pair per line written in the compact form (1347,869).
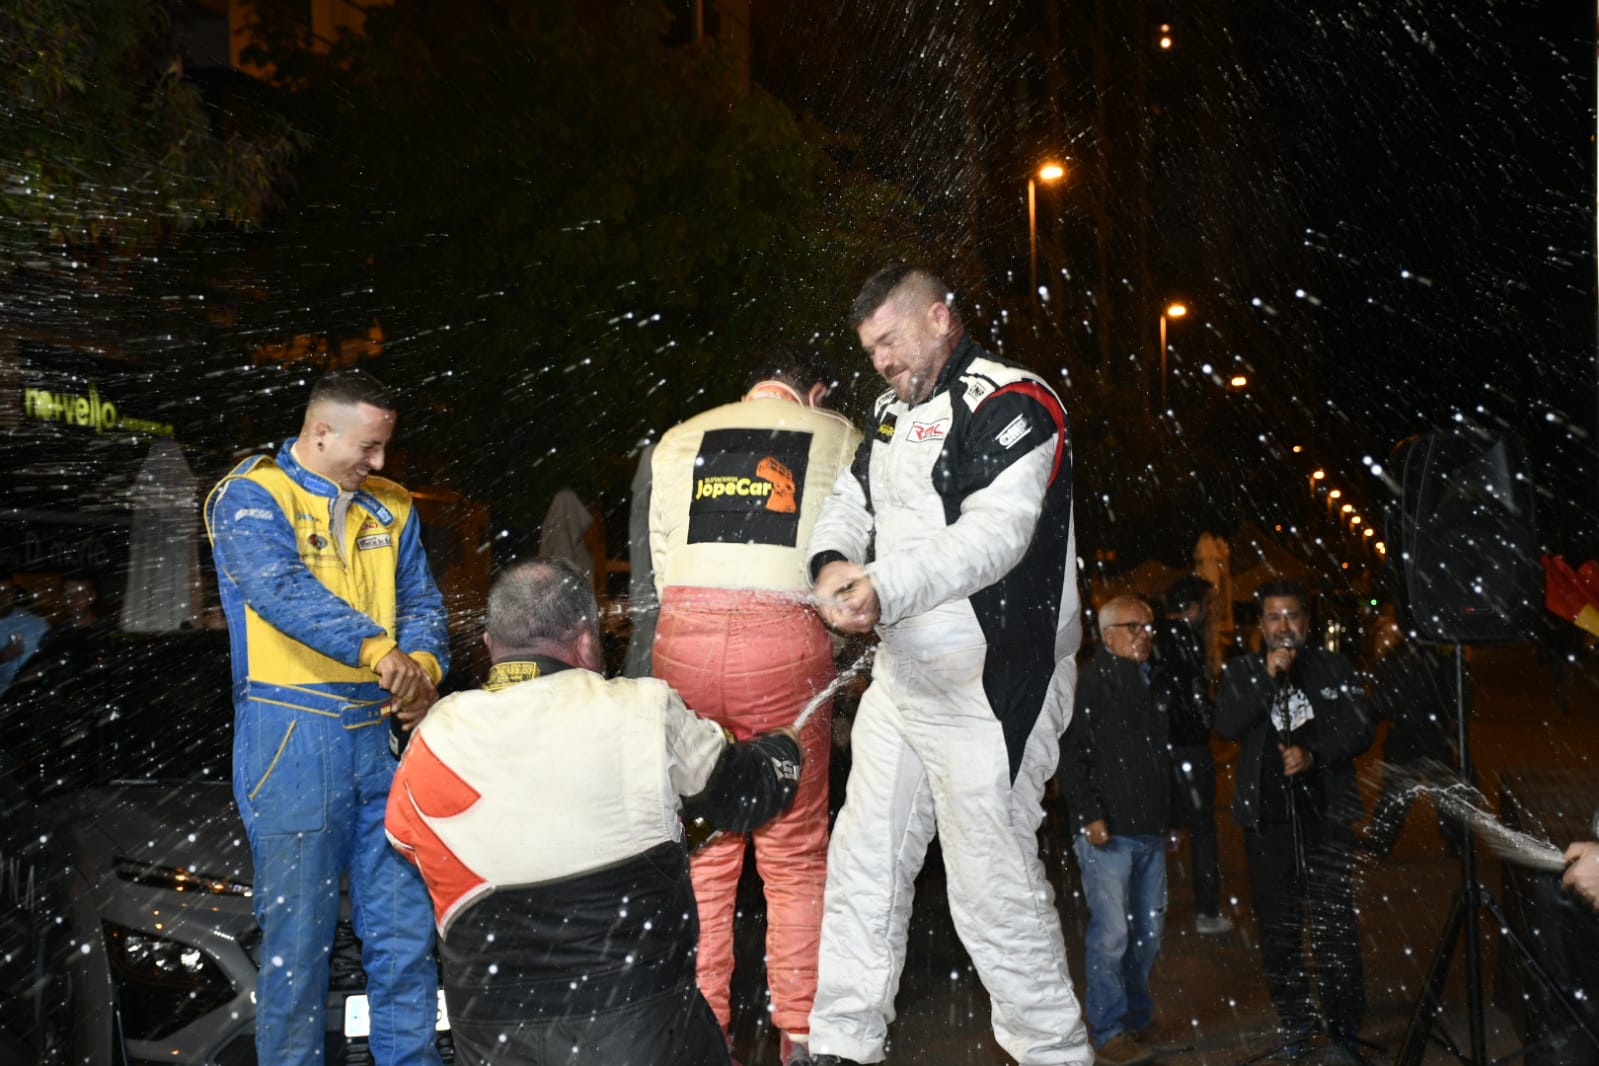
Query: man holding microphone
(1300,717)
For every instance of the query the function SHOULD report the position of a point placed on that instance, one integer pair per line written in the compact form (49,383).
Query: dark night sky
(1385,209)
(1442,160)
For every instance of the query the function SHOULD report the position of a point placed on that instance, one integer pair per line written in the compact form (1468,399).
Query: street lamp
(1049,172)
(1173,310)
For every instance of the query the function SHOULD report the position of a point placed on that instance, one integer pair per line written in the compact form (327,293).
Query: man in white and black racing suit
(952,535)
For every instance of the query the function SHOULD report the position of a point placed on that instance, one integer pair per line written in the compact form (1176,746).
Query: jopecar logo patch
(748,486)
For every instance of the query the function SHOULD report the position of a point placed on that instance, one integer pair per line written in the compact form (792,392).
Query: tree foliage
(571,233)
(104,142)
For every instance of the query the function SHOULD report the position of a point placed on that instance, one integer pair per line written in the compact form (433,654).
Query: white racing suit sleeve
(844,528)
(984,544)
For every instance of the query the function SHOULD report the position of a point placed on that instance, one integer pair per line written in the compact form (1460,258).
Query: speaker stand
(1469,901)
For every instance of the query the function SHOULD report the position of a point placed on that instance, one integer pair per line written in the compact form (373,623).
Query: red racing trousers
(751,661)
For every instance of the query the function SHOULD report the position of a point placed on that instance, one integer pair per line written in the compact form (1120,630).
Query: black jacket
(1339,731)
(1116,757)
(1181,658)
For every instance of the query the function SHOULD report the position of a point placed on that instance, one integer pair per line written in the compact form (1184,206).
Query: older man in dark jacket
(1300,716)
(1116,772)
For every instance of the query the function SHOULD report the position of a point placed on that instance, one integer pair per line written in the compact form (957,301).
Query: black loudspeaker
(1462,538)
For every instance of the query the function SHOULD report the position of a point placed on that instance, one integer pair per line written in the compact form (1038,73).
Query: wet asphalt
(1211,988)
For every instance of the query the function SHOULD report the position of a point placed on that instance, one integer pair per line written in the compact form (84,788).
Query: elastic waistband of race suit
(734,601)
(349,701)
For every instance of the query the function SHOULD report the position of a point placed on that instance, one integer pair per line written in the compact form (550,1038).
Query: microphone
(1288,642)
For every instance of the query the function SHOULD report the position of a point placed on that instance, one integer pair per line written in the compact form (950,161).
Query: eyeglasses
(1147,627)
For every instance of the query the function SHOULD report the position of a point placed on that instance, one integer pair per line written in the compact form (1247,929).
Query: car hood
(188,826)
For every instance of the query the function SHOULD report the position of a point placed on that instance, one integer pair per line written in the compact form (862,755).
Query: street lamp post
(1173,310)
(1050,172)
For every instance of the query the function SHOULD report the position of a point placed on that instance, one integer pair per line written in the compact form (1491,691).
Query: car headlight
(162,984)
(175,879)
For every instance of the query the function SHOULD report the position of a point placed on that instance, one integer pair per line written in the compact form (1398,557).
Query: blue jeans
(1125,884)
(312,787)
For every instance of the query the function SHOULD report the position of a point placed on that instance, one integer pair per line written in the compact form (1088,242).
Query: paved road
(1213,985)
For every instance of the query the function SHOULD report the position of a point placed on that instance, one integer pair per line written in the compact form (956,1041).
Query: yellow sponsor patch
(709,488)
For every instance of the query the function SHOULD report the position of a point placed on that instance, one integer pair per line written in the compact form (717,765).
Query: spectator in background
(20,632)
(1300,717)
(643,603)
(80,607)
(572,532)
(1180,653)
(78,631)
(1115,768)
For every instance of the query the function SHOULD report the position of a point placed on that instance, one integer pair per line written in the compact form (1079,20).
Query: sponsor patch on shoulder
(253,512)
(377,540)
(1013,432)
(977,390)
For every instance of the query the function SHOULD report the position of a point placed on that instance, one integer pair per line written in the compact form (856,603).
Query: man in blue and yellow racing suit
(333,618)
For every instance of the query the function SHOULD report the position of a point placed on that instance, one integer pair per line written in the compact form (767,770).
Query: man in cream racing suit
(952,535)
(543,814)
(332,614)
(736,492)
